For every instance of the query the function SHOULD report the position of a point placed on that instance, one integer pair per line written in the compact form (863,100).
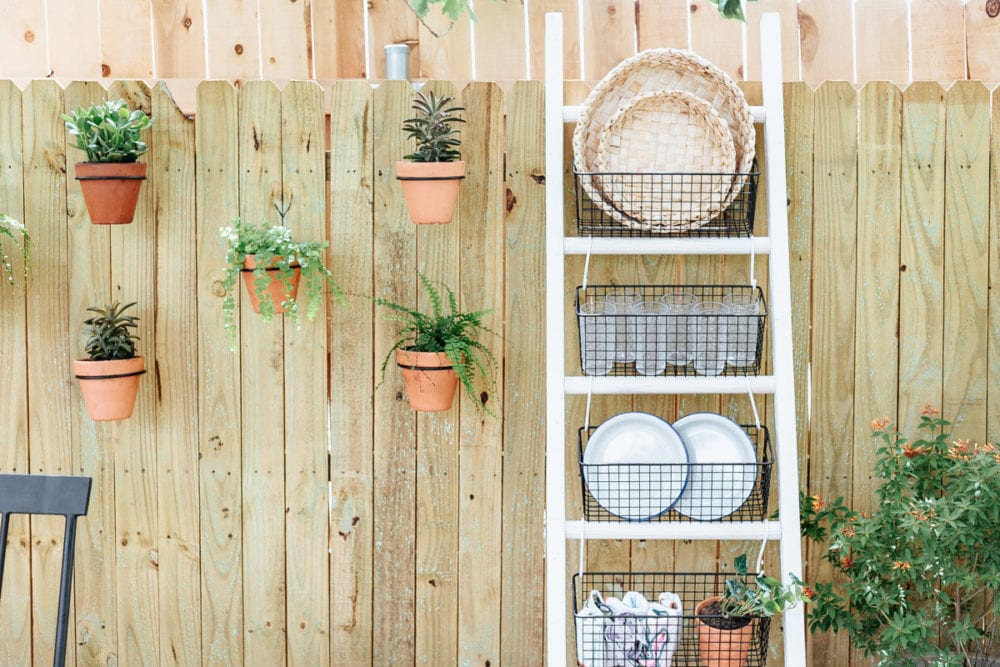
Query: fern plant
(12,229)
(433,128)
(110,333)
(108,132)
(453,332)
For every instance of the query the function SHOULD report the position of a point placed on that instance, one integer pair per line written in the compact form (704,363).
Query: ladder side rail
(781,327)
(555,414)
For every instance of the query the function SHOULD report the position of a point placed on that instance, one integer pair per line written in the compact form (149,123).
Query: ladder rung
(673,530)
(582,245)
(761,384)
(571,113)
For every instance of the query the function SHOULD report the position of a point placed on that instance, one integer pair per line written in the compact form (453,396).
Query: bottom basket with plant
(917,576)
(109,377)
(439,350)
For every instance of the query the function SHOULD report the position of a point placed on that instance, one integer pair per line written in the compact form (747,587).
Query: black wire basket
(654,640)
(673,204)
(670,329)
(711,491)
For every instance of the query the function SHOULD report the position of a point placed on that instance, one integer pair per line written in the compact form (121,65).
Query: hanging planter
(109,378)
(430,175)
(430,379)
(281,285)
(110,179)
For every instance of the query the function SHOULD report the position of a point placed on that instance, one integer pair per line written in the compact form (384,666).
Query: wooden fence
(270,507)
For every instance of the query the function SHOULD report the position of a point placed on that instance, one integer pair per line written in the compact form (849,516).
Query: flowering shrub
(11,229)
(921,573)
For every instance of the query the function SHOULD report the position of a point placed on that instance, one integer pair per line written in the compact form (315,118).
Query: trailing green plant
(730,9)
(766,597)
(273,246)
(433,128)
(12,229)
(453,332)
(108,131)
(110,333)
(917,578)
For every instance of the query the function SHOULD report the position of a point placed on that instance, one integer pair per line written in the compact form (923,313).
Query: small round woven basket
(666,132)
(651,71)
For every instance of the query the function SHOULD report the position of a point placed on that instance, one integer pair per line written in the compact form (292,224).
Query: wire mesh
(665,204)
(712,491)
(670,329)
(653,640)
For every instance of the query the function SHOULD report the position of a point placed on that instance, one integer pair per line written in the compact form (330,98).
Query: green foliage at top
(12,229)
(917,578)
(273,247)
(109,333)
(108,132)
(766,597)
(451,8)
(433,128)
(730,9)
(453,332)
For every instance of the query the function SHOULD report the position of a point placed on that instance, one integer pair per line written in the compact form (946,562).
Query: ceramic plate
(623,466)
(723,470)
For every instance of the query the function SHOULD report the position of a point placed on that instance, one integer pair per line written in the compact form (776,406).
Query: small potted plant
(725,622)
(918,577)
(10,231)
(110,134)
(438,350)
(109,377)
(272,265)
(430,175)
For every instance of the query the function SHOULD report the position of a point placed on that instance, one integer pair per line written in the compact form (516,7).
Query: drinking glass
(650,336)
(622,299)
(598,331)
(742,329)
(679,326)
(710,337)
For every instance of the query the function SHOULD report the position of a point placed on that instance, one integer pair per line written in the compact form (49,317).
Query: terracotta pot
(430,379)
(109,387)
(430,189)
(720,647)
(276,290)
(111,190)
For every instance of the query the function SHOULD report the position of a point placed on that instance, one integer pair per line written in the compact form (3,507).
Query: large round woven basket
(666,132)
(651,71)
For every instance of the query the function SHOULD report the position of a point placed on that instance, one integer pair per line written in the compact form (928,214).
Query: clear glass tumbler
(710,337)
(742,329)
(650,337)
(679,326)
(622,299)
(598,332)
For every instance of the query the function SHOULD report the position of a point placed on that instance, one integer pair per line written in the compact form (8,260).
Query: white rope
(764,524)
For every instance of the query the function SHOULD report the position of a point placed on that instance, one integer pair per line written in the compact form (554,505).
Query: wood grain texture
(825,53)
(789,37)
(178,38)
(388,23)
(833,312)
(718,40)
(500,42)
(67,21)
(337,53)
(570,10)
(993,351)
(662,24)
(610,23)
(881,45)
(126,39)
(25,37)
(921,255)
(448,56)
(233,50)
(285,40)
(877,311)
(262,375)
(982,40)
(966,261)
(351,383)
(219,446)
(940,23)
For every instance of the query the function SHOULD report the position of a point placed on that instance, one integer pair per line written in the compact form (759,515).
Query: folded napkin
(630,631)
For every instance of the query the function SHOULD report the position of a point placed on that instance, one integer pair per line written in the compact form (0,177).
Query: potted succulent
(110,134)
(109,377)
(430,175)
(438,350)
(725,622)
(10,230)
(272,265)
(918,577)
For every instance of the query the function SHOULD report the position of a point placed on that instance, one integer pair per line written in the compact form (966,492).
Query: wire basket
(670,329)
(671,204)
(712,491)
(651,640)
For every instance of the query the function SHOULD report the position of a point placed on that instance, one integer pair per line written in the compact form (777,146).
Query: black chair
(47,494)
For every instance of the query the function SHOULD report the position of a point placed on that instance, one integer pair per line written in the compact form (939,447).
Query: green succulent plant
(109,332)
(109,131)
(12,229)
(433,128)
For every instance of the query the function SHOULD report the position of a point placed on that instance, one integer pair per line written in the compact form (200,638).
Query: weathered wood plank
(219,444)
(233,51)
(68,21)
(940,23)
(993,351)
(178,39)
(717,39)
(500,42)
(126,39)
(825,54)
(610,23)
(286,40)
(24,35)
(966,260)
(982,40)
(789,37)
(882,48)
(570,9)
(337,50)
(662,24)
(448,56)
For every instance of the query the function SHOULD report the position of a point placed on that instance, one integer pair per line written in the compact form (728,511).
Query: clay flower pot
(111,190)
(430,189)
(276,290)
(722,646)
(109,387)
(430,379)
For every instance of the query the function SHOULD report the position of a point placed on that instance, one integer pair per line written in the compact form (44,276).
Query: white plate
(629,491)
(716,489)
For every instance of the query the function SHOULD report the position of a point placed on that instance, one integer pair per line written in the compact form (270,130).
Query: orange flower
(847,531)
(930,411)
(817,503)
(808,593)
(901,565)
(846,562)
(880,424)
(910,452)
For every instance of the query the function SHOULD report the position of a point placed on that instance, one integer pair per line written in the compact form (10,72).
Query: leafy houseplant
(725,622)
(430,175)
(438,350)
(272,265)
(11,229)
(109,377)
(919,575)
(110,134)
